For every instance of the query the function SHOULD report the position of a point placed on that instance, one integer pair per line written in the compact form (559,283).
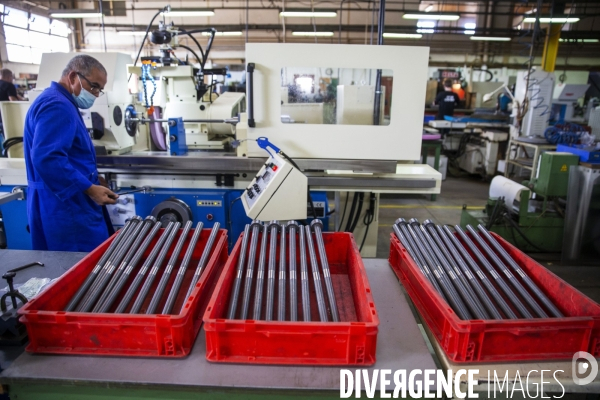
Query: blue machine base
(225,209)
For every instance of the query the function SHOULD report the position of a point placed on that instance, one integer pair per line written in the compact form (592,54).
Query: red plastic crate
(52,330)
(504,340)
(349,342)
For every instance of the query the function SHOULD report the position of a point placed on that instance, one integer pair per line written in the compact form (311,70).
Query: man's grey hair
(83,64)
(6,73)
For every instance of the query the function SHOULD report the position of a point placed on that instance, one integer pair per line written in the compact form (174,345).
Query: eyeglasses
(94,89)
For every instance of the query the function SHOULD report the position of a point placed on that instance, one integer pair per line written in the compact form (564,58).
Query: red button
(274,167)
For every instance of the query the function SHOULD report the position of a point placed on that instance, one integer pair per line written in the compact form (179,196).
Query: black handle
(250,94)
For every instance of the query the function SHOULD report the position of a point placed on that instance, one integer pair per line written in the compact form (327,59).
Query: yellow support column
(551,47)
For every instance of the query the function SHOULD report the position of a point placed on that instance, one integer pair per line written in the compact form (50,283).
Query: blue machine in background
(206,205)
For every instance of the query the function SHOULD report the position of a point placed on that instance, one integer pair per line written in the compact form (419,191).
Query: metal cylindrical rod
(256,226)
(282,275)
(237,282)
(317,226)
(453,282)
(132,264)
(137,281)
(92,276)
(497,278)
(487,302)
(182,269)
(316,276)
(203,260)
(511,278)
(292,229)
(508,312)
(407,242)
(463,284)
(145,227)
(304,277)
(273,228)
(135,220)
(164,279)
(445,283)
(116,261)
(260,275)
(139,301)
(532,286)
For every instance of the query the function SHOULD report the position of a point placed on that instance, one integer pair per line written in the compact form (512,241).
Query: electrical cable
(343,213)
(516,227)
(191,51)
(145,36)
(361,197)
(368,219)
(351,213)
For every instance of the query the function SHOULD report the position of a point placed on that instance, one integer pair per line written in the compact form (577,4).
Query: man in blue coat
(65,199)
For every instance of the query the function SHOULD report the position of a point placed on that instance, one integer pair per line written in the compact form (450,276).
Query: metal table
(400,345)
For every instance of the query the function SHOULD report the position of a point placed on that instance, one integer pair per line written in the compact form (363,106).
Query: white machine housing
(116,96)
(400,140)
(568,96)
(278,192)
(539,92)
(483,155)
(176,95)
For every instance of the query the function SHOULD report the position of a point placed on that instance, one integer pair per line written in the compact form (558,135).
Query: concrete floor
(473,192)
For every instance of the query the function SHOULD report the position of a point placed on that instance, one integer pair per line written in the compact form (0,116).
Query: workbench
(400,345)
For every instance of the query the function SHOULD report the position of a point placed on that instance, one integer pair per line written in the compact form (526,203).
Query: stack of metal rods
(107,282)
(475,275)
(269,257)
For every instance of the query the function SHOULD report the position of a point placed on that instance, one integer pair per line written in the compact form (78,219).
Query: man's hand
(101,195)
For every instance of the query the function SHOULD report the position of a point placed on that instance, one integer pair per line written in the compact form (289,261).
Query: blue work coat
(61,164)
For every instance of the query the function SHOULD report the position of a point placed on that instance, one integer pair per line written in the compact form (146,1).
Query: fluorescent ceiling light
(491,38)
(438,17)
(75,13)
(188,13)
(308,14)
(425,31)
(558,20)
(470,25)
(429,8)
(425,24)
(312,33)
(579,40)
(469,32)
(230,33)
(402,35)
(132,33)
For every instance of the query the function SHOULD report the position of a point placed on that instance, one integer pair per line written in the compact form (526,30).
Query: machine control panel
(266,175)
(278,191)
(209,203)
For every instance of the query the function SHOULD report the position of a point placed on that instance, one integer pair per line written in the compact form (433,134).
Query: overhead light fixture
(553,20)
(437,17)
(429,8)
(469,32)
(579,40)
(491,38)
(229,33)
(470,25)
(132,33)
(312,33)
(391,35)
(180,12)
(308,14)
(75,13)
(425,31)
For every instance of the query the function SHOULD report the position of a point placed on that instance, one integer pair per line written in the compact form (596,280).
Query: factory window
(29,35)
